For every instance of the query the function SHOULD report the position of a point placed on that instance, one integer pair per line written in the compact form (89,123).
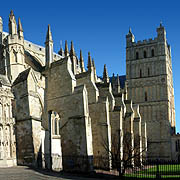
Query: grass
(166,171)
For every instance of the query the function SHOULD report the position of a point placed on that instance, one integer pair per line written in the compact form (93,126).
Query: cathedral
(56,114)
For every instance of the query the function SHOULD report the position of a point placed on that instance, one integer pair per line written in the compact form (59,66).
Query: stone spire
(161,33)
(12,24)
(20,29)
(89,66)
(66,51)
(105,75)
(61,51)
(118,87)
(49,34)
(49,47)
(1,25)
(72,51)
(81,62)
(129,38)
(130,31)
(161,24)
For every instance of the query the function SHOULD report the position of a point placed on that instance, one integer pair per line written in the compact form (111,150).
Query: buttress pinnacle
(49,34)
(89,62)
(118,87)
(81,62)
(12,24)
(93,64)
(20,25)
(66,51)
(72,51)
(105,75)
(61,51)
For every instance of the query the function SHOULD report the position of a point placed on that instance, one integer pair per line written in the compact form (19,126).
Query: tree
(126,151)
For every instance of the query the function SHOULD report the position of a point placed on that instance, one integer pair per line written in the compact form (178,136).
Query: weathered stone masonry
(57,114)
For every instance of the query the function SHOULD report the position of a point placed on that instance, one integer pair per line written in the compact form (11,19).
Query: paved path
(26,173)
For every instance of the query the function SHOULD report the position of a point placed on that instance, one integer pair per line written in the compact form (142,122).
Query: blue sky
(100,26)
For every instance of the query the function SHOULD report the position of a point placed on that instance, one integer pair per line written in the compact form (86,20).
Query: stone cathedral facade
(55,113)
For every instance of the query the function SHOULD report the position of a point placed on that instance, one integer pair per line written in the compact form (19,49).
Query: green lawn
(166,171)
(163,169)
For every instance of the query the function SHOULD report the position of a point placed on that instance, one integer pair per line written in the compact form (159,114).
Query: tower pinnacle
(161,33)
(129,38)
(161,24)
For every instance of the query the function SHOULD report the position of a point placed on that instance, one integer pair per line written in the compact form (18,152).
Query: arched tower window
(145,96)
(145,54)
(137,55)
(152,52)
(140,73)
(55,126)
(59,125)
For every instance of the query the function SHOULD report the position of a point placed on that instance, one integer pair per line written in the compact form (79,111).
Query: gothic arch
(145,54)
(137,55)
(152,52)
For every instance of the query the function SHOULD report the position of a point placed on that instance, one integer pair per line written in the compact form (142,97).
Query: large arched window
(152,52)
(145,54)
(137,55)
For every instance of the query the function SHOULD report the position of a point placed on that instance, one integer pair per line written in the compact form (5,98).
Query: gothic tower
(150,84)
(14,50)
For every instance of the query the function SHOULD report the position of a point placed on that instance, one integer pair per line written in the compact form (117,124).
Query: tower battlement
(145,42)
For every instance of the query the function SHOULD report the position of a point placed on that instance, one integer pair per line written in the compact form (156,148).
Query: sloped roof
(34,61)
(22,76)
